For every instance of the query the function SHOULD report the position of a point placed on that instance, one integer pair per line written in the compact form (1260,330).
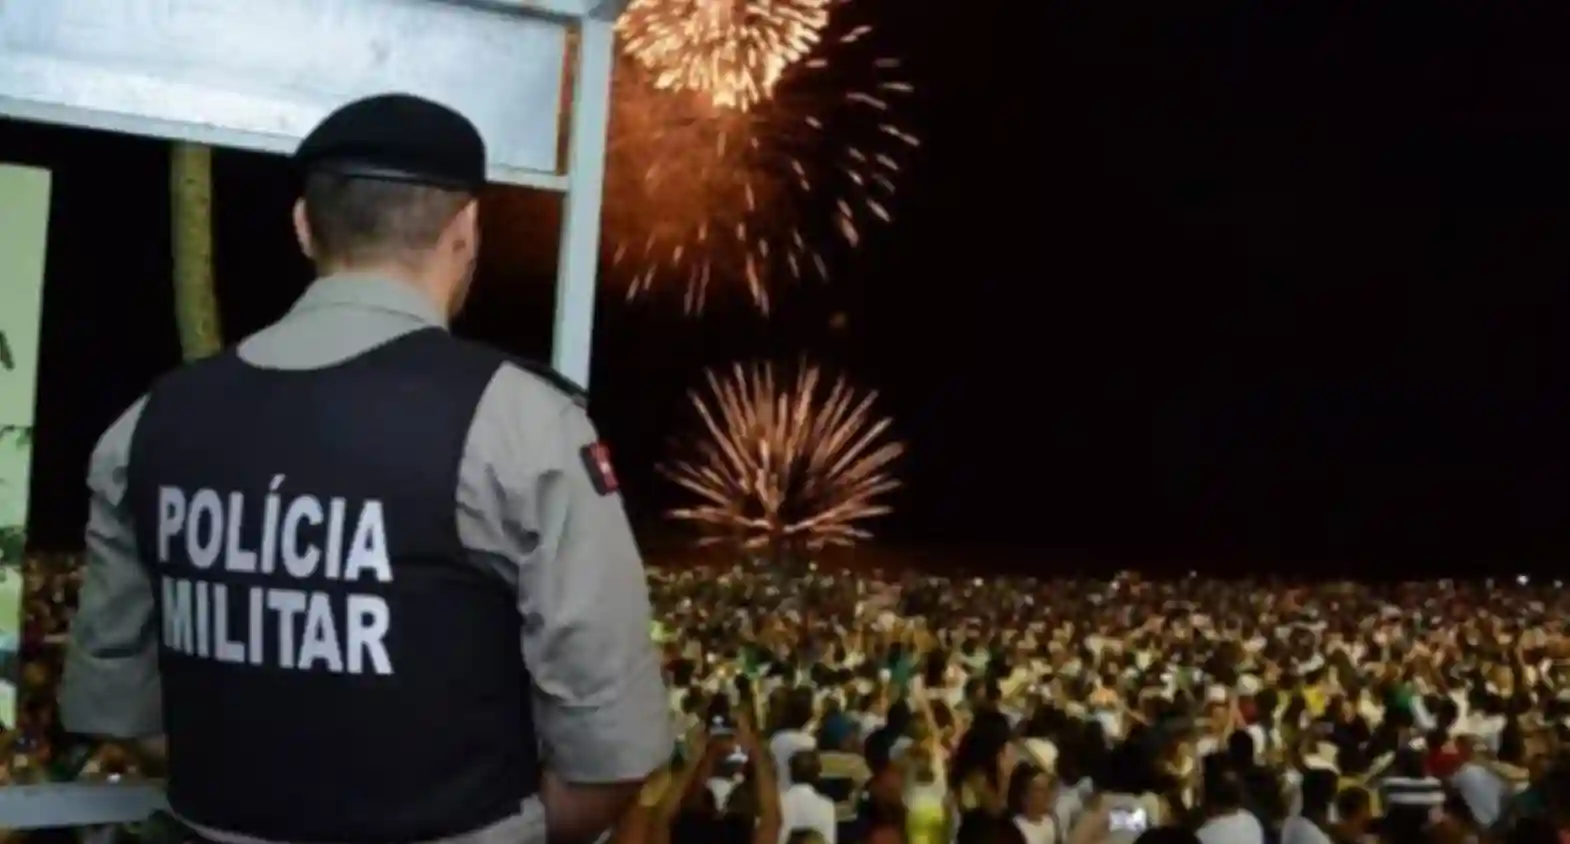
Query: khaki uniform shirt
(526,509)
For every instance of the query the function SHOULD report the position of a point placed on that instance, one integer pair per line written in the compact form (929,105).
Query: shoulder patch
(597,462)
(579,395)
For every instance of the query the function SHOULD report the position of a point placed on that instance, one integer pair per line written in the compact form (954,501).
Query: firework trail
(744,136)
(784,464)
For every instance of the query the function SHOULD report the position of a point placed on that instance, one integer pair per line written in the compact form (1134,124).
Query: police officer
(312,559)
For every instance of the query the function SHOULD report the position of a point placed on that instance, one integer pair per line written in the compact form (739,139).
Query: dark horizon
(1275,289)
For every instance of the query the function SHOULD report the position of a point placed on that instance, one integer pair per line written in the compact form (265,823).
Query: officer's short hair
(355,219)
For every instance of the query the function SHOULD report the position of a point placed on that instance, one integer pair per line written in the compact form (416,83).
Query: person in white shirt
(801,806)
(1073,789)
(793,737)
(1229,822)
(1484,791)
(1310,825)
(1031,793)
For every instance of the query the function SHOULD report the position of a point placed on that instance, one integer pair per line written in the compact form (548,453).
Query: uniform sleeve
(110,687)
(527,501)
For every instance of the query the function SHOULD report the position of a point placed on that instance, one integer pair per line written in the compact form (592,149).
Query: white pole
(578,264)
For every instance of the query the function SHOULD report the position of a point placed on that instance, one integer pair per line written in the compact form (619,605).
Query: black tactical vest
(333,669)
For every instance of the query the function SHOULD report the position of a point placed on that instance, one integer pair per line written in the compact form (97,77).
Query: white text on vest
(301,538)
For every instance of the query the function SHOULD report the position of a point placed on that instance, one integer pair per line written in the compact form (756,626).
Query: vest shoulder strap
(578,394)
(544,372)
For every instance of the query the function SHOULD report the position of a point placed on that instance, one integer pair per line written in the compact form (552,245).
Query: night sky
(1276,288)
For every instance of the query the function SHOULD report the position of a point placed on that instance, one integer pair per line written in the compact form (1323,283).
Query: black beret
(397,137)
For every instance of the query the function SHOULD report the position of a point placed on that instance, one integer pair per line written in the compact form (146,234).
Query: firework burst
(739,151)
(784,462)
(732,51)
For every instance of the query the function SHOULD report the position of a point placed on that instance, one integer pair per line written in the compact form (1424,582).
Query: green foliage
(13,540)
(20,435)
(13,537)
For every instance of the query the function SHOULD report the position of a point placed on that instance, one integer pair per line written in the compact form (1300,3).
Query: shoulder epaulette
(561,382)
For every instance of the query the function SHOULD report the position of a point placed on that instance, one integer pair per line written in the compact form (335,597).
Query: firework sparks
(732,51)
(785,462)
(741,174)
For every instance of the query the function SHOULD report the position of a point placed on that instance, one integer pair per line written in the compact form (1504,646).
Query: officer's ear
(463,233)
(302,230)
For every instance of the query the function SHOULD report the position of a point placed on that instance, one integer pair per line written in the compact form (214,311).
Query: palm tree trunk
(191,204)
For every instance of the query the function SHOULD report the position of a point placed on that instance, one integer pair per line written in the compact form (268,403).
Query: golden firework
(732,51)
(741,171)
(784,462)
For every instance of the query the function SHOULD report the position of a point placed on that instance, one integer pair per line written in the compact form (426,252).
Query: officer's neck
(430,286)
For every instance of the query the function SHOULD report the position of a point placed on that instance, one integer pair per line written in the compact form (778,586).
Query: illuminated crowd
(35,749)
(930,709)
(923,709)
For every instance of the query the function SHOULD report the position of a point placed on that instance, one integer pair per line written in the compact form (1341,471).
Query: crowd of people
(929,710)
(35,749)
(840,708)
